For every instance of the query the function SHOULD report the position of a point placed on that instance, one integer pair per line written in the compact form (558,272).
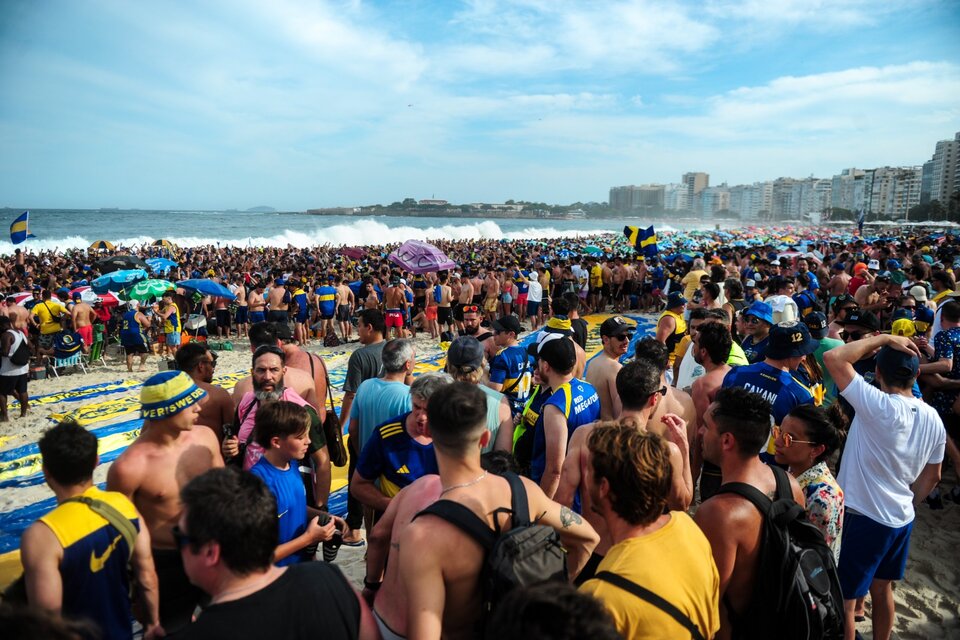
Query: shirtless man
(675,401)
(710,343)
(463,300)
(19,316)
(602,370)
(439,564)
(491,296)
(837,286)
(444,313)
(257,304)
(735,427)
(83,317)
(640,385)
(199,362)
(395,304)
(617,277)
(242,318)
(168,453)
(345,304)
(278,299)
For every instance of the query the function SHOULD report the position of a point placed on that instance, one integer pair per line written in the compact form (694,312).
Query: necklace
(465,484)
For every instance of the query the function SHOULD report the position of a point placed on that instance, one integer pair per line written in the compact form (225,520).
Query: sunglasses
(180,538)
(471,308)
(662,391)
(788,440)
(852,335)
(751,319)
(624,336)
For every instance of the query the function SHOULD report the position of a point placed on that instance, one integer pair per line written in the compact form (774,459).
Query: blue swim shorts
(532,308)
(241,315)
(172,338)
(257,316)
(870,551)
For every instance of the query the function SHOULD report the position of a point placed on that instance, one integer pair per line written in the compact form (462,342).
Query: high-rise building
(944,171)
(695,183)
(712,200)
(675,197)
(926,182)
(891,191)
(847,190)
(646,198)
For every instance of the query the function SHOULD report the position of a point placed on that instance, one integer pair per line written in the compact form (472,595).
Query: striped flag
(18,230)
(643,240)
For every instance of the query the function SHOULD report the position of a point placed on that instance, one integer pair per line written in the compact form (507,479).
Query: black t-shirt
(579,326)
(310,600)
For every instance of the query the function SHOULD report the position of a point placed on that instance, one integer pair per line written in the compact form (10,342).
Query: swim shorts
(532,308)
(223,318)
(276,316)
(490,305)
(241,315)
(444,315)
(11,384)
(257,316)
(394,318)
(343,313)
(521,299)
(173,338)
(507,298)
(458,312)
(86,334)
(135,348)
(46,340)
(430,313)
(879,552)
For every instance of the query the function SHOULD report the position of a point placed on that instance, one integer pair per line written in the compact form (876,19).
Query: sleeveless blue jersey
(579,402)
(326,300)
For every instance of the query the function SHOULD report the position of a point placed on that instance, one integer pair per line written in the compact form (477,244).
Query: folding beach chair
(98,346)
(67,352)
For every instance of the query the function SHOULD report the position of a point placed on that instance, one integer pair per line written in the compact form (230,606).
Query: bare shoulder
(579,437)
(720,511)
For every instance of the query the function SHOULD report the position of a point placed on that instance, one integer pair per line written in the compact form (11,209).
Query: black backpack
(796,593)
(524,555)
(21,355)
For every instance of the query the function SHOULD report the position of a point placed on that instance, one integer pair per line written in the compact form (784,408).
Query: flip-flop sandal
(859,618)
(358,543)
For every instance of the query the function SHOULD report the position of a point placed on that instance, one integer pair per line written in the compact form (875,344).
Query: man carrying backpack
(735,427)
(444,568)
(14,367)
(891,462)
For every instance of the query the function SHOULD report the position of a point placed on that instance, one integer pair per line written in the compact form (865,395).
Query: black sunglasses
(180,538)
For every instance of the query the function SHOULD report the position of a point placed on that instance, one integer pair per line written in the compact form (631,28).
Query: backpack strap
(109,513)
(518,501)
(649,596)
(750,492)
(464,519)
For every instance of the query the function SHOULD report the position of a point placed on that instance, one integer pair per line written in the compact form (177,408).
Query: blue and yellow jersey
(512,367)
(394,458)
(326,300)
(131,333)
(578,401)
(172,323)
(419,282)
(680,329)
(780,388)
(303,305)
(520,279)
(755,352)
(94,565)
(806,302)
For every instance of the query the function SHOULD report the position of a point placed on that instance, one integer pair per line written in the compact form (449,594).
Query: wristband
(372,586)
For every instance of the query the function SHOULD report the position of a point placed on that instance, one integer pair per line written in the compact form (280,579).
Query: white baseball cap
(873,264)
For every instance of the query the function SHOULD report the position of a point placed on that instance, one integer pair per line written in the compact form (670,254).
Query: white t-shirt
(534,291)
(7,368)
(892,438)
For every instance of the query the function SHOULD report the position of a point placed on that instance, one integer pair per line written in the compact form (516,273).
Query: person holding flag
(19,230)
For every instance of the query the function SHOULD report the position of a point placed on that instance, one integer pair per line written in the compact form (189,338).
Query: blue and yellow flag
(643,240)
(18,230)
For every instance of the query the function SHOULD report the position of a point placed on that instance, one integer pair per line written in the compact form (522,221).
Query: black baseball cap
(816,323)
(866,319)
(507,324)
(615,326)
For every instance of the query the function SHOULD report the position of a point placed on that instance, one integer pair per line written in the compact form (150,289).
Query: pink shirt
(249,413)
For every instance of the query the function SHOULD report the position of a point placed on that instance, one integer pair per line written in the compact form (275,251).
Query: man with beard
(298,376)
(602,369)
(268,371)
(199,362)
(471,327)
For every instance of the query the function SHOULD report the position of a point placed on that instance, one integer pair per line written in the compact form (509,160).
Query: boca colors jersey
(394,458)
(94,565)
(512,367)
(578,401)
(326,300)
(780,388)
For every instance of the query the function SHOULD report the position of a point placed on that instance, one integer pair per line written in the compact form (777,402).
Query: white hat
(873,264)
(133,304)
(749,283)
(919,293)
(775,263)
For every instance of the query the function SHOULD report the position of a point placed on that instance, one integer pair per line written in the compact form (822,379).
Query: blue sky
(297,105)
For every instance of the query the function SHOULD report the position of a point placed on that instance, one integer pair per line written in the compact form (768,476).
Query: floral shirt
(824,499)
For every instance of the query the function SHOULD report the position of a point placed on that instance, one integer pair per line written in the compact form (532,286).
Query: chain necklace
(465,484)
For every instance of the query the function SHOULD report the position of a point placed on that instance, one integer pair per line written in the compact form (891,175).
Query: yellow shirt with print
(48,314)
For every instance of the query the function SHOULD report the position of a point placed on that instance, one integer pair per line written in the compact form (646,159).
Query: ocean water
(77,229)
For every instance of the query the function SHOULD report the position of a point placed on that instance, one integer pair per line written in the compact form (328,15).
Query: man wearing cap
(465,359)
(891,462)
(861,276)
(278,301)
(168,453)
(602,369)
(757,320)
(511,370)
(47,314)
(573,403)
(841,308)
(838,283)
(773,378)
(671,326)
(897,275)
(83,317)
(817,326)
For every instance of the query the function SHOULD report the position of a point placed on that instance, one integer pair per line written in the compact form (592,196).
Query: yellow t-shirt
(674,562)
(596,276)
(691,282)
(48,316)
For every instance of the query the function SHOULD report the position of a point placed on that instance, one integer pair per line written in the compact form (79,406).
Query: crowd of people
(816,378)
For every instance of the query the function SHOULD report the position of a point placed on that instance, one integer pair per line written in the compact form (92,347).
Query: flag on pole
(861,218)
(643,240)
(18,230)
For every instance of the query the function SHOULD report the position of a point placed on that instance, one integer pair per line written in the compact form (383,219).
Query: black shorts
(11,384)
(179,597)
(443,315)
(458,312)
(223,318)
(605,291)
(241,315)
(135,348)
(628,287)
(343,313)
(618,292)
(277,316)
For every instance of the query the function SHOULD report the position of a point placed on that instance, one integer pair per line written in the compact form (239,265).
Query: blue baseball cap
(897,366)
(893,264)
(675,299)
(790,341)
(760,310)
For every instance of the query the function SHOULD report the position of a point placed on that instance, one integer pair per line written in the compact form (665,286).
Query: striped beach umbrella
(102,245)
(148,289)
(162,242)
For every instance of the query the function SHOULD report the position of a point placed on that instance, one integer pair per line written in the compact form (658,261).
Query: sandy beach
(927,604)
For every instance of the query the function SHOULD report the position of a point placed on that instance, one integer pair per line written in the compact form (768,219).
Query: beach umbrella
(160,265)
(207,288)
(117,263)
(147,289)
(592,250)
(88,295)
(166,244)
(354,253)
(118,280)
(102,245)
(26,299)
(421,257)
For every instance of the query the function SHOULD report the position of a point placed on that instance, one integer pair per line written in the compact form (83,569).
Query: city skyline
(218,104)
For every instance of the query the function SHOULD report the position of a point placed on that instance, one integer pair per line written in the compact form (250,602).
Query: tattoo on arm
(395,545)
(568,517)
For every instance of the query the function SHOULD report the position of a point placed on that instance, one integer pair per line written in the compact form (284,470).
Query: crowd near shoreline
(807,370)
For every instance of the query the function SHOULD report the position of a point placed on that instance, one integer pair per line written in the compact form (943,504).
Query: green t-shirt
(829,388)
